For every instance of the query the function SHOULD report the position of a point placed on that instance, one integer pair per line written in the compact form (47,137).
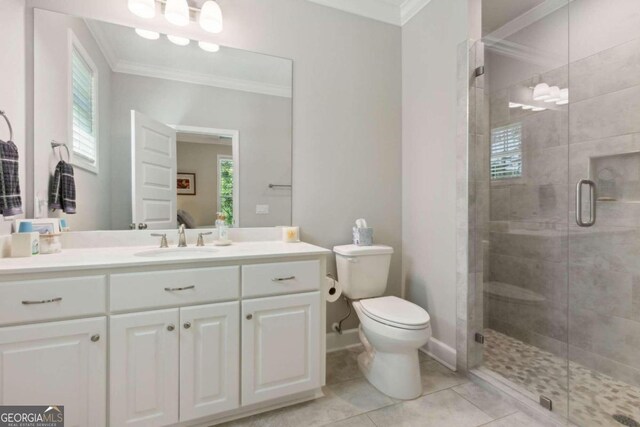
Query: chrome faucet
(182,239)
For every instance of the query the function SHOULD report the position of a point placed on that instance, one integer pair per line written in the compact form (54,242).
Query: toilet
(391,329)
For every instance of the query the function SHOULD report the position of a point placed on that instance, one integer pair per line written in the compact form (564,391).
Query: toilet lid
(396,312)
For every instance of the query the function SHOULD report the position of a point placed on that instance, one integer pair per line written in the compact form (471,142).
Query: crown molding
(379,10)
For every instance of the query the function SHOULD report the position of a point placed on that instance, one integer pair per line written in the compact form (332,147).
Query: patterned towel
(10,200)
(62,189)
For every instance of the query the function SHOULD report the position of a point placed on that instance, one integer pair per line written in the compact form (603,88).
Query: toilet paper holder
(337,326)
(332,289)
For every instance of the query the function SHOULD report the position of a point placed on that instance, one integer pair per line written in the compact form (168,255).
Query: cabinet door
(144,368)
(280,346)
(57,363)
(209,359)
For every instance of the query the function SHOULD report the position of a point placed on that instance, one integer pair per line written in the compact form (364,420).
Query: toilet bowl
(392,330)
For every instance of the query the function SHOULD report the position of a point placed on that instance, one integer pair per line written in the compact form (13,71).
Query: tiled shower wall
(589,278)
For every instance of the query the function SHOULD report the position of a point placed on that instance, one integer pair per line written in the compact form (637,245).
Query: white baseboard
(441,352)
(336,342)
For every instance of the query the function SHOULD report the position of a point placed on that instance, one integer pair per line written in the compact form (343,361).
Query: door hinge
(479,71)
(546,403)
(479,338)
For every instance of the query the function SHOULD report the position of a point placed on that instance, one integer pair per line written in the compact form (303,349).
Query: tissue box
(25,244)
(363,236)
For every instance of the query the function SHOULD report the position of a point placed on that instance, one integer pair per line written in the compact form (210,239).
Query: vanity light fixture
(147,34)
(180,41)
(541,92)
(177,12)
(209,47)
(142,8)
(514,105)
(211,17)
(538,109)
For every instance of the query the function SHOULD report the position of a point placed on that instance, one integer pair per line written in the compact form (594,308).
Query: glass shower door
(604,258)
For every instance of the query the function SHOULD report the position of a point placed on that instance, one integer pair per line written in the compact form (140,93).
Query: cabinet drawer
(153,289)
(35,300)
(280,278)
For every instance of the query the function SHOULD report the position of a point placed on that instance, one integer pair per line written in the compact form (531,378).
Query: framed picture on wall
(186,184)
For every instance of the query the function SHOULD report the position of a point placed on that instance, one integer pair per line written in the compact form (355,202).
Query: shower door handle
(592,203)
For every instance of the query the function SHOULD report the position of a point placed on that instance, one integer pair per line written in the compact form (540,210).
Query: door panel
(154,163)
(209,360)
(281,344)
(57,363)
(144,368)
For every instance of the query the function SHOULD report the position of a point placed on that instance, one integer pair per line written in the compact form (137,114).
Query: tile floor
(448,400)
(593,398)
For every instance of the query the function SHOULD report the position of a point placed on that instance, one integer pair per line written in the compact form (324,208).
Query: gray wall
(201,159)
(429,64)
(346,110)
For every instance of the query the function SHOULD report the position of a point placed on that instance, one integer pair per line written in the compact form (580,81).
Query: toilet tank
(363,270)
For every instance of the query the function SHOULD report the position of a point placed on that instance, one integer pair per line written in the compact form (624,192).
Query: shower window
(506,152)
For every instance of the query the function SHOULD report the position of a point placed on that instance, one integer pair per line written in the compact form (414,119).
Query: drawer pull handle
(95,338)
(282,279)
(171,327)
(180,289)
(187,325)
(44,301)
(249,316)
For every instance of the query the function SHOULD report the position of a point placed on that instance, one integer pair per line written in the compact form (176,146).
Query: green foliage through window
(225,171)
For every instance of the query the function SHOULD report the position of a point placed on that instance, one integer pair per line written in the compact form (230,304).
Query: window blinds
(506,151)
(84,111)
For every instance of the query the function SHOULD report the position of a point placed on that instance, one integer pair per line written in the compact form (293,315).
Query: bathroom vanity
(137,336)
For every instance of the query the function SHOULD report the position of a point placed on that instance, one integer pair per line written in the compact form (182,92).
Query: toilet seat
(396,312)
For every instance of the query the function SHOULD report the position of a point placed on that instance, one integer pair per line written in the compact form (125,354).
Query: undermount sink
(177,252)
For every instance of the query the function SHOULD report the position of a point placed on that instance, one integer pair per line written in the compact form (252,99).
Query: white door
(144,368)
(280,346)
(57,363)
(209,359)
(154,169)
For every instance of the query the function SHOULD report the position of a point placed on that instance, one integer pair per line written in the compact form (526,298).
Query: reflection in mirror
(158,134)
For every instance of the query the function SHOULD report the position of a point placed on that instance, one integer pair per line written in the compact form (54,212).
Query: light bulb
(180,41)
(538,109)
(554,94)
(541,92)
(142,8)
(527,107)
(209,47)
(147,34)
(211,17)
(177,12)
(514,105)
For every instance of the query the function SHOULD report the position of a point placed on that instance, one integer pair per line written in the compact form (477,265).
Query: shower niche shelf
(617,177)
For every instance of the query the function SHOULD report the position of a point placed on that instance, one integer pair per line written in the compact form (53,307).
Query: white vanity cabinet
(165,345)
(280,343)
(57,363)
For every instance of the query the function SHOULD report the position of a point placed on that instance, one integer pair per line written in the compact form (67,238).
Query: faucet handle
(163,240)
(201,239)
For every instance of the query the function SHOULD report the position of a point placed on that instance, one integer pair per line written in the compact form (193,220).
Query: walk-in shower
(554,186)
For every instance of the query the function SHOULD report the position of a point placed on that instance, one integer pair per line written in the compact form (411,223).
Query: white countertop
(114,257)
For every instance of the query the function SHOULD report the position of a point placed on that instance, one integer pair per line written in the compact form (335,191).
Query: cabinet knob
(170,327)
(95,337)
(249,316)
(187,325)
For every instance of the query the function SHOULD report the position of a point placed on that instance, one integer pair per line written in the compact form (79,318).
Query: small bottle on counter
(222,230)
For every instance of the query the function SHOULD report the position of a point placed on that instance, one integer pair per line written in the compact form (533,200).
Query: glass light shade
(538,109)
(142,8)
(514,105)
(209,47)
(180,41)
(147,34)
(177,12)
(527,107)
(554,94)
(541,92)
(564,97)
(211,17)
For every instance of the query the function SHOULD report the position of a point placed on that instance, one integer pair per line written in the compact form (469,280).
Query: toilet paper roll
(332,289)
